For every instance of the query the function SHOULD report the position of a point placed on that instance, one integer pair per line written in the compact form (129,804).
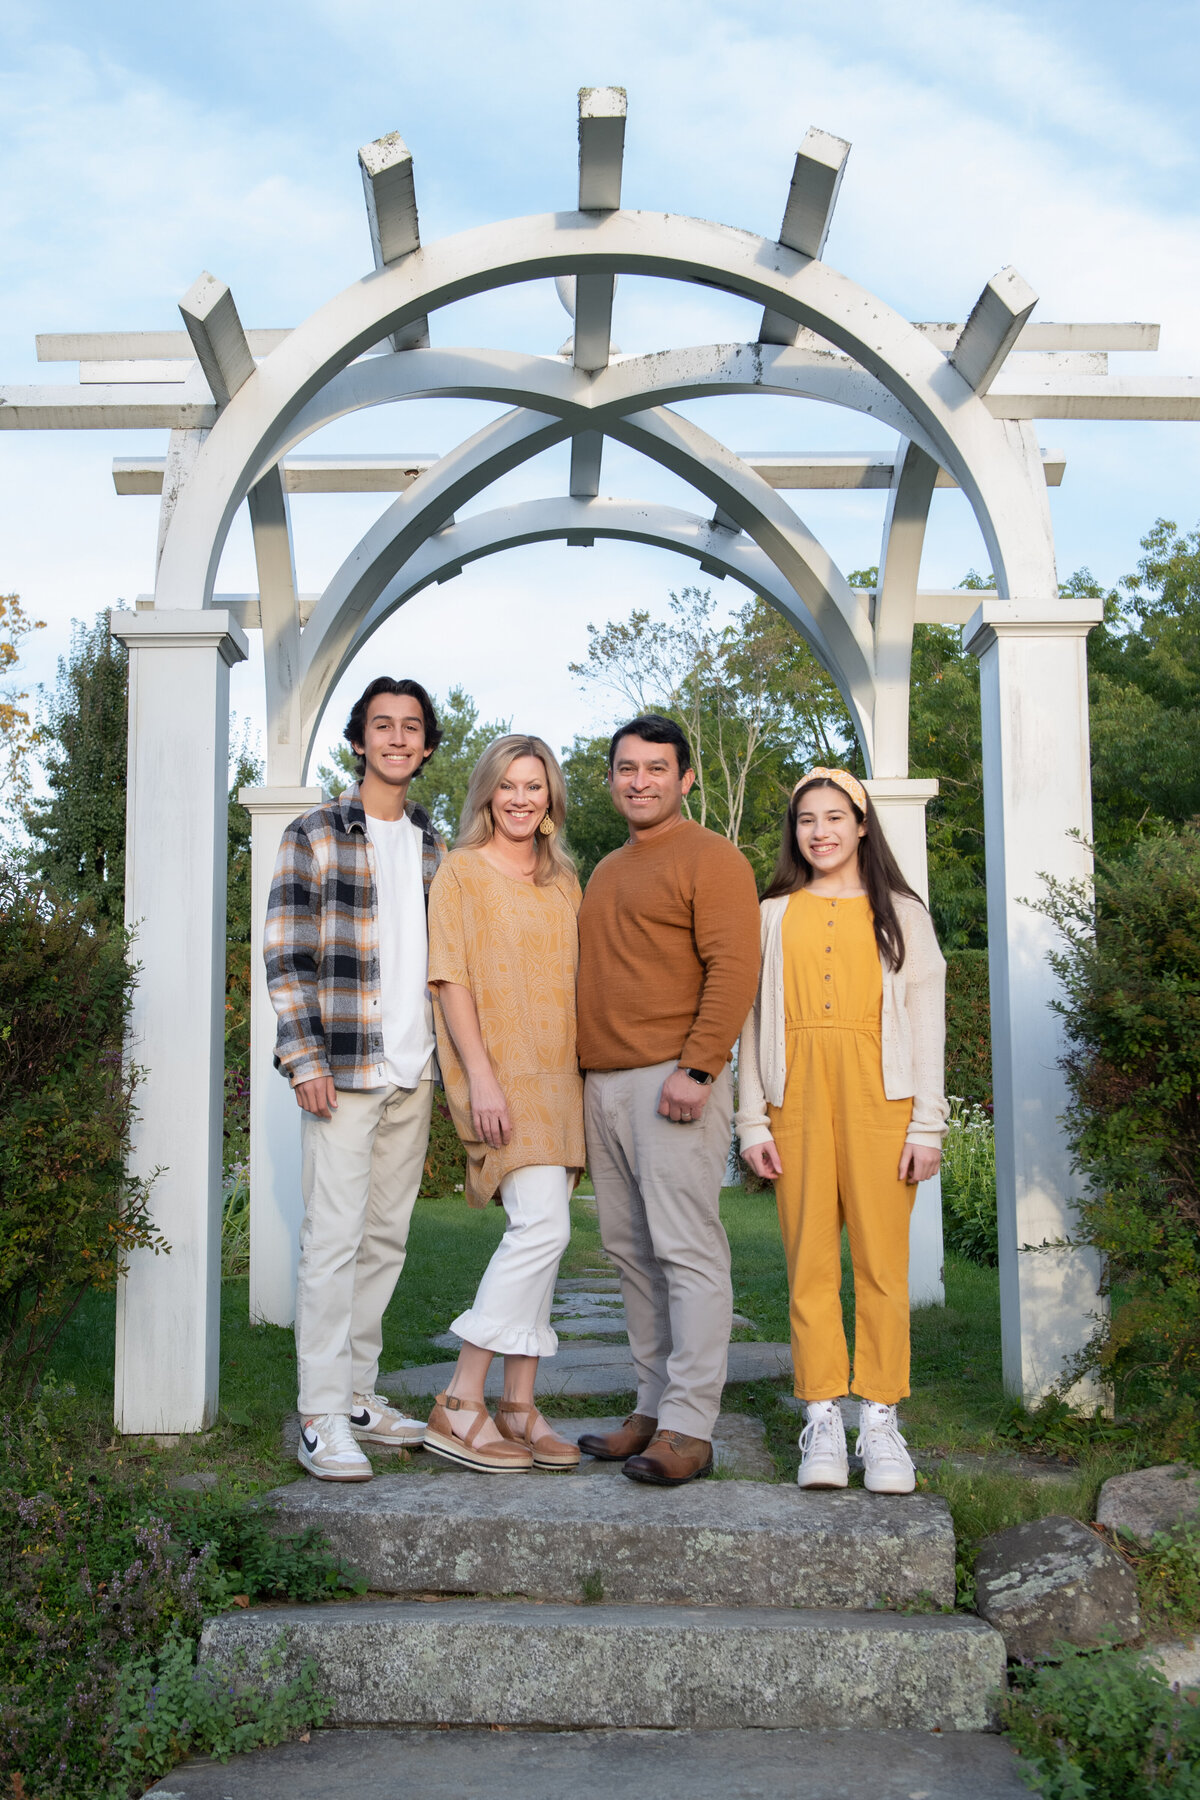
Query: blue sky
(142,144)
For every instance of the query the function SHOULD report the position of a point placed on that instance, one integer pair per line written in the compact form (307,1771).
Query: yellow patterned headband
(842,778)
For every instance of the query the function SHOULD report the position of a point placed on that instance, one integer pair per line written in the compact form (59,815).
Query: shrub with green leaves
(969,1184)
(69,1213)
(1101,1726)
(969,1026)
(169,1707)
(104,1586)
(1132,1013)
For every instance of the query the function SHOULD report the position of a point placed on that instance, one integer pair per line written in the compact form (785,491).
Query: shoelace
(885,1439)
(818,1429)
(337,1433)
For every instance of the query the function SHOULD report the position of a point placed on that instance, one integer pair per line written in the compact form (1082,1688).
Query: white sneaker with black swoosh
(327,1449)
(373,1420)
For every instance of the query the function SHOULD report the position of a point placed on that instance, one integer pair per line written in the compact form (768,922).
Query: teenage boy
(668,969)
(347,960)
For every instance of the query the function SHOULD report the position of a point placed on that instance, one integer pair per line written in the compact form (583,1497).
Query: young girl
(840,1074)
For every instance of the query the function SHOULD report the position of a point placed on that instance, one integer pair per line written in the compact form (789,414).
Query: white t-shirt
(407,1015)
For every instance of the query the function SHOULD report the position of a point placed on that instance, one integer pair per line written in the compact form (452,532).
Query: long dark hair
(877,866)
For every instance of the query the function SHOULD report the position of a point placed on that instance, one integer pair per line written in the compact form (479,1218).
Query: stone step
(556,1765)
(739,1448)
(465,1662)
(583,1368)
(712,1543)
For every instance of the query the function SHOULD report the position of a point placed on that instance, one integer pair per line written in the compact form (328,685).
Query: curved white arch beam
(838,613)
(445,554)
(629,384)
(968,440)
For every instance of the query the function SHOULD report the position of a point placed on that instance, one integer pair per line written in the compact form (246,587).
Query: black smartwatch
(700,1075)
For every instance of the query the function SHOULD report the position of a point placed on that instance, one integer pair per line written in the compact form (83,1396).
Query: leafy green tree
(1144,678)
(594,826)
(79,831)
(750,696)
(18,734)
(441,787)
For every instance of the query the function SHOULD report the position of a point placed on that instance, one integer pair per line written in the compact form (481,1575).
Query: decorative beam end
(217,336)
(996,322)
(601,148)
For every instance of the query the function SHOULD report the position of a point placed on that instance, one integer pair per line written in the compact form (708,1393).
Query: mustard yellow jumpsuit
(840,1140)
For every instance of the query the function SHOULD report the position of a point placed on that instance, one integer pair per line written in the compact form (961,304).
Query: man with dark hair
(347,958)
(668,968)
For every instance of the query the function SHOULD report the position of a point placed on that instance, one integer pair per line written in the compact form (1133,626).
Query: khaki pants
(658,1189)
(360,1172)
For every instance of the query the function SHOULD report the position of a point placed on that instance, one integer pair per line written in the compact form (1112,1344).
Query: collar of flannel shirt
(354,818)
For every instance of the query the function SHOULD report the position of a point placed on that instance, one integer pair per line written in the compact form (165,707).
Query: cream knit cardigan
(913,1029)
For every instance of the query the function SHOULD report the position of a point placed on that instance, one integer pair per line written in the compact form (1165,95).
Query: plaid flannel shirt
(321,943)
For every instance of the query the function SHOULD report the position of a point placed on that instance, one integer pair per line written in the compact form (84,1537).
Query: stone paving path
(593,1356)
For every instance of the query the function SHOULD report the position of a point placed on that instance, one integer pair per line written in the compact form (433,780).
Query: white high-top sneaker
(823,1460)
(887,1466)
(327,1449)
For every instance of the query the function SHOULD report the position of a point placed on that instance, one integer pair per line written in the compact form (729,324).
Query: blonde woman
(503,953)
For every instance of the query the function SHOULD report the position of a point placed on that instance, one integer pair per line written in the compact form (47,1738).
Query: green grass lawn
(957,1400)
(957,1394)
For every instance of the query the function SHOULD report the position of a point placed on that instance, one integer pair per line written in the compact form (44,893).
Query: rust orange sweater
(668,953)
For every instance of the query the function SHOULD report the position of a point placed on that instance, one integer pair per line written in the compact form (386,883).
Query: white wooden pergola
(963,401)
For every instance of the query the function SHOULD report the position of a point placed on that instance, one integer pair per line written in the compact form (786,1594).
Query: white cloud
(981,136)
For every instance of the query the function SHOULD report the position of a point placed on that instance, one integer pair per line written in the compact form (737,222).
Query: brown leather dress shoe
(615,1446)
(671,1460)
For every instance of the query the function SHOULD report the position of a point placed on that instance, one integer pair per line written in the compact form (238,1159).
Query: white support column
(276,1208)
(1037,794)
(168,1307)
(901,808)
(183,447)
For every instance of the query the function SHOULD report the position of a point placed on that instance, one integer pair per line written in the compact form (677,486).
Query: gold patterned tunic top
(515,947)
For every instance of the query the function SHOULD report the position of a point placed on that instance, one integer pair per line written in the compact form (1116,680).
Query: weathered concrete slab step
(583,1368)
(556,1765)
(465,1662)
(723,1543)
(739,1442)
(739,1448)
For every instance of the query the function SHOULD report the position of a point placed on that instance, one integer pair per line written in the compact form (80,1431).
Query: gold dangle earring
(547,827)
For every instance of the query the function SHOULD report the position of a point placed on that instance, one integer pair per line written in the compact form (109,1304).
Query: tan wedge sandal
(490,1459)
(548,1451)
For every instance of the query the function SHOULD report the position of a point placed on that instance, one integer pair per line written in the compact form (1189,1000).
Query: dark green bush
(969,1185)
(104,1583)
(1132,1013)
(1100,1726)
(968,1027)
(445,1159)
(69,1214)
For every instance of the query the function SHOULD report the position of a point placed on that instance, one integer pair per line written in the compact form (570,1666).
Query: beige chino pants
(360,1171)
(658,1187)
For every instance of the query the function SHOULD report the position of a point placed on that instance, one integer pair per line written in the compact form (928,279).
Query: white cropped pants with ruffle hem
(511,1311)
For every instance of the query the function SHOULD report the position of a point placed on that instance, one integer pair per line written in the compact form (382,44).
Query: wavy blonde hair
(477,827)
